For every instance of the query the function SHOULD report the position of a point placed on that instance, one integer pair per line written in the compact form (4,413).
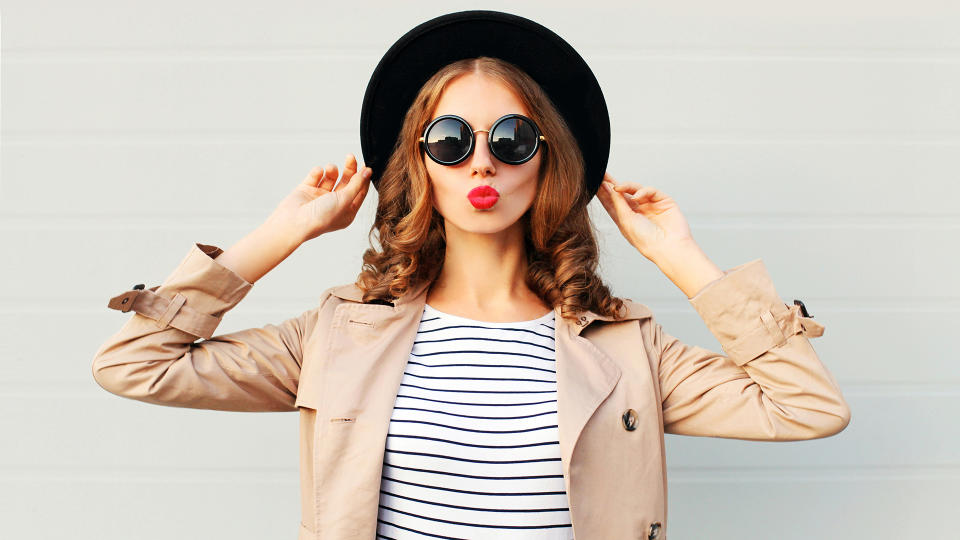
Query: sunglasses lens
(514,139)
(448,140)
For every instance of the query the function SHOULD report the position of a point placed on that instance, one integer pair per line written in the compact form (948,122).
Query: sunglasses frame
(473,138)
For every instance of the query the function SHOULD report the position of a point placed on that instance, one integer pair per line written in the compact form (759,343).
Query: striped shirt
(472,447)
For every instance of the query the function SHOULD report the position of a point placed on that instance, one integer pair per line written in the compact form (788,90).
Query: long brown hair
(559,236)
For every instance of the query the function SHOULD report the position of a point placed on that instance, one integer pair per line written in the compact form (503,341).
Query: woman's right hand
(319,204)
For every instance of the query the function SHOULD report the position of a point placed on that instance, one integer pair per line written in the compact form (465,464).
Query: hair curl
(559,237)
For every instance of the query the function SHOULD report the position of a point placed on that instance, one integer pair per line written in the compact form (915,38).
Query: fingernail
(367,171)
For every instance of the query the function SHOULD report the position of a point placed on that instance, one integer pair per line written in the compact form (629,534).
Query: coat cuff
(208,285)
(194,296)
(744,312)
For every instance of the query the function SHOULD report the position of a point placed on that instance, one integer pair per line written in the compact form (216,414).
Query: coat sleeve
(769,386)
(156,358)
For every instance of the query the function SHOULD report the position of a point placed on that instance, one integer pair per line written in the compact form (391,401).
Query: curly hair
(559,237)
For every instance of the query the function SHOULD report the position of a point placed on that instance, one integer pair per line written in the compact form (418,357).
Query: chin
(487,221)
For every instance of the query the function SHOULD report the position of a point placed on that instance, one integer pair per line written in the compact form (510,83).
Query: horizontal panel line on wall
(40,137)
(264,307)
(680,53)
(71,137)
(280,305)
(101,475)
(272,306)
(89,389)
(108,476)
(11,221)
(809,475)
(764,470)
(900,389)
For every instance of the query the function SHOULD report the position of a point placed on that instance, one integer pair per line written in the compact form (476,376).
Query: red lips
(483,197)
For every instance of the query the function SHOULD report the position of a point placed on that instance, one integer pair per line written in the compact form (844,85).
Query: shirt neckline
(532,322)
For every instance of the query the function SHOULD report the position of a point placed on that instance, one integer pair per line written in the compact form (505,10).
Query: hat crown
(546,57)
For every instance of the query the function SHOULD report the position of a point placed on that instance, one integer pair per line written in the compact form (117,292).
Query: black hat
(535,49)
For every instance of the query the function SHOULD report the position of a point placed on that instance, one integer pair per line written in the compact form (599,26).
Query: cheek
(432,178)
(530,194)
(529,187)
(440,188)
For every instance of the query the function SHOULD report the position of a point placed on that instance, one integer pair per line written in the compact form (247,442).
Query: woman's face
(480,101)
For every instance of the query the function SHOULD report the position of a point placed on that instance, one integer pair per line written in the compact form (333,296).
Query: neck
(483,273)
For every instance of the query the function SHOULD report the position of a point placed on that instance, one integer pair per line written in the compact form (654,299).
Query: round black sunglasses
(513,139)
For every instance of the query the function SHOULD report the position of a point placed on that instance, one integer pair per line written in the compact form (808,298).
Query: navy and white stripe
(472,448)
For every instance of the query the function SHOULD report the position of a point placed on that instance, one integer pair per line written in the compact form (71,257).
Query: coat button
(630,420)
(654,531)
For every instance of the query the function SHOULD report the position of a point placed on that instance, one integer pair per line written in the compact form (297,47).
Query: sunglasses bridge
(487,131)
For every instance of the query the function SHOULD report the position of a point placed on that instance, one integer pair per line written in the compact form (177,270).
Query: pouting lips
(483,197)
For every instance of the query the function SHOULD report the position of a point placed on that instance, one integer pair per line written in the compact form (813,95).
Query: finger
(329,178)
(628,187)
(607,177)
(648,199)
(355,184)
(607,201)
(345,179)
(358,200)
(639,192)
(314,177)
(638,196)
(619,203)
(607,180)
(633,191)
(349,167)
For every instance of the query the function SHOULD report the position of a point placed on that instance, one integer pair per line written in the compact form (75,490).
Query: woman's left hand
(647,217)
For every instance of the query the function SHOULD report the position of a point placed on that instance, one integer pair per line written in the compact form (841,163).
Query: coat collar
(416,296)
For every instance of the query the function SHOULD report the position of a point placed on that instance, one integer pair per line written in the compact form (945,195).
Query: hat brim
(538,51)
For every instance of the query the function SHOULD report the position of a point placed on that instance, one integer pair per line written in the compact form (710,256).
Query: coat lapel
(586,375)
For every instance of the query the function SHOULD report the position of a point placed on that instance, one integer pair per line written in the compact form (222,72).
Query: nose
(481,162)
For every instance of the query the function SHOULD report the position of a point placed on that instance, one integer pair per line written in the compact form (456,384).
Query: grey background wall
(820,136)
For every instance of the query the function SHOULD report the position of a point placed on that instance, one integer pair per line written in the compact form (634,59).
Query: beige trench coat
(620,385)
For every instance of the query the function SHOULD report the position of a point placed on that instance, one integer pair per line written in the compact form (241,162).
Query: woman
(478,380)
